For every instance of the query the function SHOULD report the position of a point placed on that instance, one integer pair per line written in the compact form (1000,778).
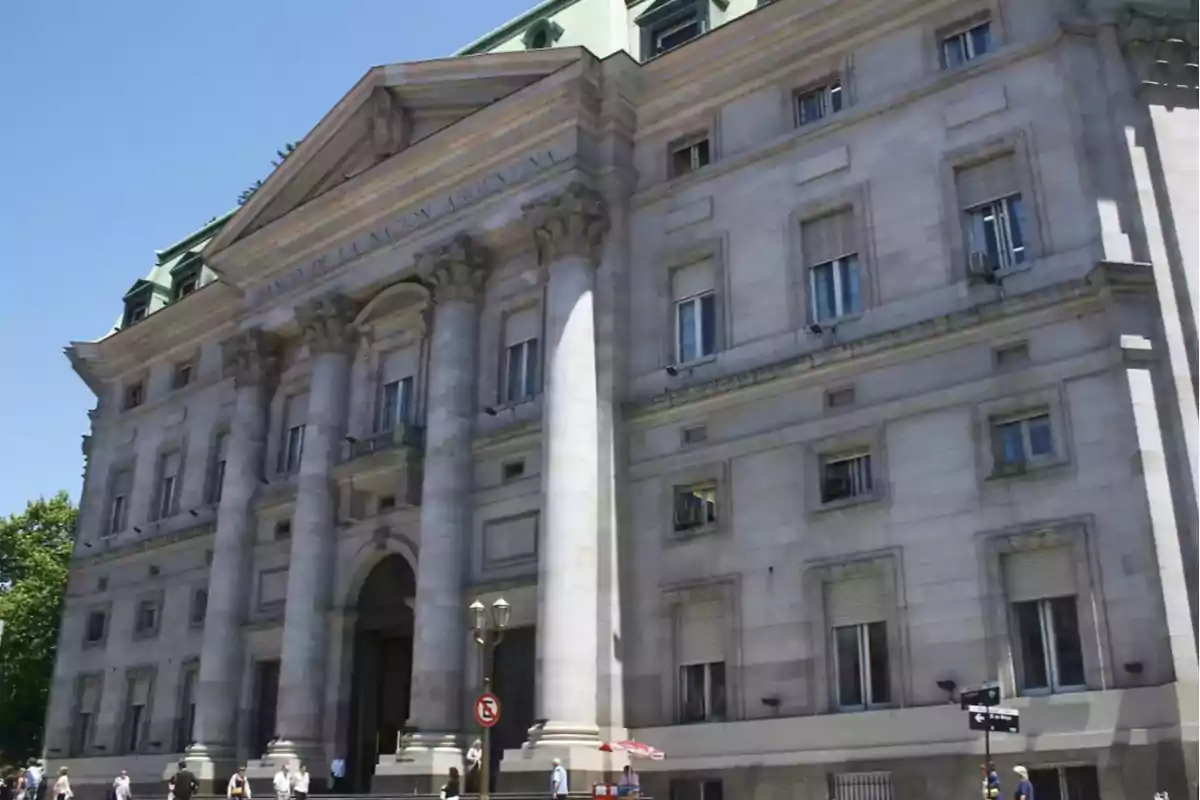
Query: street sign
(487,709)
(994,719)
(987,694)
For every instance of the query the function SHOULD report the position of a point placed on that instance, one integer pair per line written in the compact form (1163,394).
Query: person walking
(474,766)
(300,787)
(1024,790)
(450,791)
(120,787)
(558,781)
(239,786)
(184,784)
(34,775)
(282,784)
(62,786)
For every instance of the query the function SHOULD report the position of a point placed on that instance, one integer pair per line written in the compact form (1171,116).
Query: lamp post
(488,630)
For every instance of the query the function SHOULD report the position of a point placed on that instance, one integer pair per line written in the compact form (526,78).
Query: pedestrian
(19,786)
(993,783)
(282,783)
(474,766)
(300,788)
(120,787)
(62,786)
(184,784)
(629,784)
(337,771)
(450,790)
(1024,790)
(33,779)
(558,781)
(239,786)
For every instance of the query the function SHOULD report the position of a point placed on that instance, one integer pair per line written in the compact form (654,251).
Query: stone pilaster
(325,325)
(456,272)
(251,360)
(569,230)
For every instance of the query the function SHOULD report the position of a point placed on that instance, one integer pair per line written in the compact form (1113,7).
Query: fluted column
(568,230)
(250,358)
(325,324)
(456,273)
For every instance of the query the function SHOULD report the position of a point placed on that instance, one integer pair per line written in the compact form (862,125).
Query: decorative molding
(456,270)
(326,323)
(145,545)
(251,357)
(572,223)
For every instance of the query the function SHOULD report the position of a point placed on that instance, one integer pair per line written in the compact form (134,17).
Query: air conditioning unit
(982,267)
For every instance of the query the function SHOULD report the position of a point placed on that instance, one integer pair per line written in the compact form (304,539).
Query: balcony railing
(398,437)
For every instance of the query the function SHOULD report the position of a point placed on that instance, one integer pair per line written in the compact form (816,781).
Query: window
(692,789)
(830,250)
(693,435)
(186,285)
(283,530)
(118,503)
(539,40)
(678,30)
(1049,647)
(845,477)
(695,312)
(1022,442)
(1066,783)
(542,34)
(87,703)
(135,394)
(522,378)
(182,376)
(702,692)
(167,492)
(814,105)
(387,502)
(689,155)
(145,621)
(840,398)
(966,45)
(95,627)
(186,724)
(990,195)
(137,693)
(199,608)
(695,507)
(513,469)
(185,277)
(860,786)
(1011,357)
(395,406)
(216,474)
(292,447)
(860,654)
(136,310)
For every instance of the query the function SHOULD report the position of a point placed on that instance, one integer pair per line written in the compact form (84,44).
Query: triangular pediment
(389,110)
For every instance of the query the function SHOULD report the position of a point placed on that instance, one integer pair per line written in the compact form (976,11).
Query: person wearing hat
(1024,790)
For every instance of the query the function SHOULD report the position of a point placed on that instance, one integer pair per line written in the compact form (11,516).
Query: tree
(35,550)
(281,155)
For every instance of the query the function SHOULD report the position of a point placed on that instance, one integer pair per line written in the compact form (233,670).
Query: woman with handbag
(239,786)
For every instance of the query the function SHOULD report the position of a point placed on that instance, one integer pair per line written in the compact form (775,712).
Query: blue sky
(126,125)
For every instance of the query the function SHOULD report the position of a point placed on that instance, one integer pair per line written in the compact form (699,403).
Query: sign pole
(485,769)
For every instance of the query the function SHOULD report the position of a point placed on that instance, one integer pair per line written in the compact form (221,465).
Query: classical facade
(786,378)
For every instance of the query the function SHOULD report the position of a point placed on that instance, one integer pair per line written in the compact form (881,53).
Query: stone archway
(382,667)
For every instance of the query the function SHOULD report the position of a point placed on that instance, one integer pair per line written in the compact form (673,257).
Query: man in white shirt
(300,786)
(282,784)
(558,781)
(121,786)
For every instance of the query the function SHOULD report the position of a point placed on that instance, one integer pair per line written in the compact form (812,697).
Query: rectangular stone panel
(272,587)
(509,541)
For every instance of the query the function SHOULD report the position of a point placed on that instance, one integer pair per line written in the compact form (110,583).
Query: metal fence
(861,786)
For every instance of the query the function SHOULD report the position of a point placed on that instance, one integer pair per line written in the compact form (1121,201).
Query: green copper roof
(514,26)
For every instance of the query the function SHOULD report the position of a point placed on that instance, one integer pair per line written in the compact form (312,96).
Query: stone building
(786,374)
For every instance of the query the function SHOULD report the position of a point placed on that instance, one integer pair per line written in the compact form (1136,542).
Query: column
(250,358)
(569,230)
(326,327)
(456,274)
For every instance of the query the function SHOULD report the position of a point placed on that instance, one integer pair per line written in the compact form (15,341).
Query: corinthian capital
(573,223)
(325,323)
(455,271)
(251,357)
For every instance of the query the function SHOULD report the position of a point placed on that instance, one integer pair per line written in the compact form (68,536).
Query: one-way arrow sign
(994,719)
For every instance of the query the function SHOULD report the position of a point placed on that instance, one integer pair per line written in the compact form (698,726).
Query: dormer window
(138,302)
(185,277)
(542,34)
(671,23)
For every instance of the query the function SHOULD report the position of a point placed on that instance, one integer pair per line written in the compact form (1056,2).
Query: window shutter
(692,280)
(170,466)
(222,447)
(296,410)
(521,326)
(701,632)
(398,364)
(1038,574)
(990,180)
(828,237)
(89,694)
(139,692)
(123,482)
(855,601)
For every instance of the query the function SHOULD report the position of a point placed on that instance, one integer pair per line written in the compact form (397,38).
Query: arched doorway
(382,667)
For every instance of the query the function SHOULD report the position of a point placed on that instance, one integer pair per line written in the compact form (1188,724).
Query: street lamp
(488,631)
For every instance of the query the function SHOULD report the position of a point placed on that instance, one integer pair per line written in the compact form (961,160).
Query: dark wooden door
(513,683)
(266,694)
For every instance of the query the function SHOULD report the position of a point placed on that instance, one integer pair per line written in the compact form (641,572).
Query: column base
(421,767)
(528,769)
(284,751)
(213,766)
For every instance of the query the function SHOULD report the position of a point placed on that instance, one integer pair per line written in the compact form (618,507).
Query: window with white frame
(689,155)
(695,311)
(145,620)
(846,476)
(186,719)
(118,501)
(830,246)
(1047,647)
(857,610)
(818,102)
(696,789)
(700,649)
(216,470)
(860,786)
(295,412)
(677,30)
(695,506)
(87,704)
(395,403)
(990,196)
(166,494)
(1022,441)
(522,376)
(137,701)
(1066,783)
(966,44)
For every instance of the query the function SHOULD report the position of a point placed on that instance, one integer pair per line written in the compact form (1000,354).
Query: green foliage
(281,156)
(35,549)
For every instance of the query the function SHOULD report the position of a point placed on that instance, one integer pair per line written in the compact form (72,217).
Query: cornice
(1102,281)
(120,552)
